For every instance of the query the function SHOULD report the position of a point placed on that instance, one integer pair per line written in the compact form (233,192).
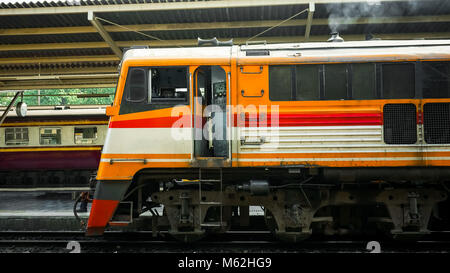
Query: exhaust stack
(335,38)
(213,42)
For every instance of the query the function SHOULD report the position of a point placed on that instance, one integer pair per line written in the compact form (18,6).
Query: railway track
(231,242)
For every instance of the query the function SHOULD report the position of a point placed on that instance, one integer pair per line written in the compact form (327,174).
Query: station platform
(39,211)
(37,204)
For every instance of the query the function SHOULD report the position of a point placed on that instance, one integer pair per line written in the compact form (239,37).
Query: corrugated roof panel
(55,53)
(36,21)
(50,3)
(54,38)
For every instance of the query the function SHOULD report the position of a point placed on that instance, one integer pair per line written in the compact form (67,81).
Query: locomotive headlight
(21,109)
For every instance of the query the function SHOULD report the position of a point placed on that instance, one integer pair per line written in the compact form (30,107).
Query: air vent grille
(436,123)
(400,123)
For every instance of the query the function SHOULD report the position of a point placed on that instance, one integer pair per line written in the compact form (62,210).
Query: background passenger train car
(316,133)
(51,147)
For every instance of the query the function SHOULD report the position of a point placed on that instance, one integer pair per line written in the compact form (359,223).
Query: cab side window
(137,84)
(151,88)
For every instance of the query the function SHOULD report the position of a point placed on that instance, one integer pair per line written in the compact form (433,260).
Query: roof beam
(224,25)
(59,86)
(311,9)
(170,6)
(59,77)
(239,40)
(12,47)
(66,83)
(58,59)
(56,71)
(105,35)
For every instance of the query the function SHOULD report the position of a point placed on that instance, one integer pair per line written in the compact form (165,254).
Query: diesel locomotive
(324,137)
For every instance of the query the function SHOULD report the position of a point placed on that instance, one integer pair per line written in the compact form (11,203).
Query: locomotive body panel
(349,131)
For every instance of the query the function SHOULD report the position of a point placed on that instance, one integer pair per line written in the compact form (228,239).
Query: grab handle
(260,71)
(243,94)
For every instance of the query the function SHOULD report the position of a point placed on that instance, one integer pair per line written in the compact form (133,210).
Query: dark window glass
(307,78)
(169,87)
(398,81)
(400,123)
(436,77)
(169,84)
(280,83)
(137,85)
(335,82)
(363,81)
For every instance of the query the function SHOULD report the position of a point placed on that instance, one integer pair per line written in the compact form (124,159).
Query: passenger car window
(50,136)
(86,135)
(16,136)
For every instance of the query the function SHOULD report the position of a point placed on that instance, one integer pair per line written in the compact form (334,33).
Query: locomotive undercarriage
(295,205)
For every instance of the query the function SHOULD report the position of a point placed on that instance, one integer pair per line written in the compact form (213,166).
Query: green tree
(61,97)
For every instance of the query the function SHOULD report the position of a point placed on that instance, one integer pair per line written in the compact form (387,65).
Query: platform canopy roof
(79,43)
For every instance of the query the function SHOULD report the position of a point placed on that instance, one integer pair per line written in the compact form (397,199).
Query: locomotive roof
(415,47)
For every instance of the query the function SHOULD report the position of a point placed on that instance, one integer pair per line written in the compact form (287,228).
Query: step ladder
(209,203)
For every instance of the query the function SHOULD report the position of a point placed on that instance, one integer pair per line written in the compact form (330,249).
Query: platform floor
(37,204)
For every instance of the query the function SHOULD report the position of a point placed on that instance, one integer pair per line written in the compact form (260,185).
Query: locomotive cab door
(211,93)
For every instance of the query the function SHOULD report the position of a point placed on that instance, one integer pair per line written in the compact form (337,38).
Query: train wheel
(288,237)
(271,223)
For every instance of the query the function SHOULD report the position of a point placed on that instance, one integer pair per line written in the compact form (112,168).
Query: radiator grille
(436,123)
(400,123)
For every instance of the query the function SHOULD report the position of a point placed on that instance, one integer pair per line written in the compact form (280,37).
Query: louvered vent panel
(400,123)
(436,123)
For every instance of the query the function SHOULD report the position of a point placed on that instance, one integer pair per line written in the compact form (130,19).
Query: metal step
(210,180)
(219,180)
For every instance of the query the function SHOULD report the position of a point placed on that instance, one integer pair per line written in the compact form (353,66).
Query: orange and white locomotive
(322,136)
